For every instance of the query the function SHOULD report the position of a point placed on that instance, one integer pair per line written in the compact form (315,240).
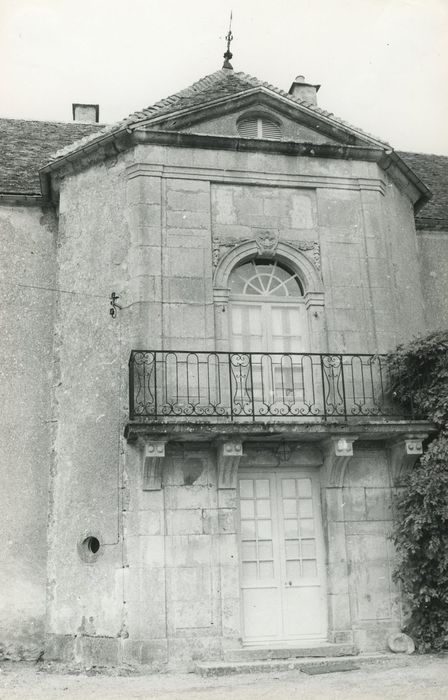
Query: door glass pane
(309,568)
(308,549)
(257,555)
(265,550)
(298,528)
(249,570)
(247,509)
(305,507)
(246,488)
(289,487)
(290,506)
(249,551)
(264,508)
(307,527)
(248,529)
(266,569)
(262,488)
(264,529)
(291,528)
(293,569)
(247,327)
(304,488)
(292,549)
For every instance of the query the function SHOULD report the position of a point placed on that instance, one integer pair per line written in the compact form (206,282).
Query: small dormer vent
(259,128)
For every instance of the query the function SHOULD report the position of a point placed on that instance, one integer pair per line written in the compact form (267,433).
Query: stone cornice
(117,142)
(255,177)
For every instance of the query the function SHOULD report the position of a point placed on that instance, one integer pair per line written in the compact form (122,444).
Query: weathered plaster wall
(27,274)
(88,494)
(433,258)
(400,246)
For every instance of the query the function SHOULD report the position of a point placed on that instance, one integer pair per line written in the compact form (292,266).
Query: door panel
(260,565)
(281,557)
(302,558)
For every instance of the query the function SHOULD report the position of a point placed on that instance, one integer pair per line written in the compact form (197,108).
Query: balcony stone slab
(275,430)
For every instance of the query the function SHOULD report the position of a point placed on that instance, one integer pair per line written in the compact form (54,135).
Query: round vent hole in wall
(89,548)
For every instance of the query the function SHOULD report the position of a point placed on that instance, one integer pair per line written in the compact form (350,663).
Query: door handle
(288,583)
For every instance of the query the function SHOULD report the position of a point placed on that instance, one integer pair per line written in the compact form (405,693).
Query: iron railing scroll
(167,384)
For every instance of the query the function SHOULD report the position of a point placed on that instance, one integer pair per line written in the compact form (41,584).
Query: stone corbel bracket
(153,458)
(337,451)
(228,456)
(404,454)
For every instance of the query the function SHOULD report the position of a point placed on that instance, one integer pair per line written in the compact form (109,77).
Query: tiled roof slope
(219,85)
(25,146)
(433,171)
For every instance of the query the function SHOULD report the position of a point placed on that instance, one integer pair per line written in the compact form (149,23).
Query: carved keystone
(338,450)
(153,456)
(404,454)
(267,242)
(228,459)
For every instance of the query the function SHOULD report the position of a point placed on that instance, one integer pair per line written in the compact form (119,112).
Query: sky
(382,64)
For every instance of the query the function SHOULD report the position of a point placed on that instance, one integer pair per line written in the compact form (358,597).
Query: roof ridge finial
(228,54)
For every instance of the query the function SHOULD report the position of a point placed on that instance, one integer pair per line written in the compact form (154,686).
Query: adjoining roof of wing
(26,146)
(433,171)
(213,88)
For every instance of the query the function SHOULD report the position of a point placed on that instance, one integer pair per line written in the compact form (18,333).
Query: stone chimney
(86,113)
(304,91)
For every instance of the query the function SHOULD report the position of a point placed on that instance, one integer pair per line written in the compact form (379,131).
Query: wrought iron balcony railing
(166,384)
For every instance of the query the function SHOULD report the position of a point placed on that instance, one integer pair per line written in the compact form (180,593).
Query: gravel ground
(410,678)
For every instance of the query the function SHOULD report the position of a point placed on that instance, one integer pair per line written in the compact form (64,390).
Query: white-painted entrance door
(281,557)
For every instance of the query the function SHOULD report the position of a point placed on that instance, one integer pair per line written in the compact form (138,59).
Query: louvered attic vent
(259,128)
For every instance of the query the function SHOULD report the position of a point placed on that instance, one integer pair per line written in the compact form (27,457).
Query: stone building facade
(210,468)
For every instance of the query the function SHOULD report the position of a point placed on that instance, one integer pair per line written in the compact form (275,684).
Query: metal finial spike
(228,54)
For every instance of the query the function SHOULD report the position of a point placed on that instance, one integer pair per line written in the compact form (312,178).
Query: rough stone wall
(433,258)
(27,257)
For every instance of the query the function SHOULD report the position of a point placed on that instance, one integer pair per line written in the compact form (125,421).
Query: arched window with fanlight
(267,308)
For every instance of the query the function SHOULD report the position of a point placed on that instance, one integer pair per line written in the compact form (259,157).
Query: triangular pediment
(219,101)
(225,122)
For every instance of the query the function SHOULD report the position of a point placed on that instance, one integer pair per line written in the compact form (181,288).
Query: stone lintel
(337,451)
(153,458)
(228,456)
(404,453)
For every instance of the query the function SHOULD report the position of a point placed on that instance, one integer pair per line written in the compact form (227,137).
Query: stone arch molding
(268,245)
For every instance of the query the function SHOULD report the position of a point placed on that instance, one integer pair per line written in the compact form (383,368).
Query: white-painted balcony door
(264,329)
